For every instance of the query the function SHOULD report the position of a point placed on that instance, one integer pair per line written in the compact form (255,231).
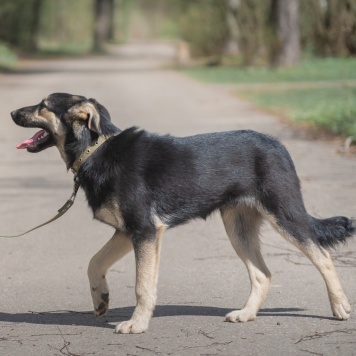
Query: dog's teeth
(42,136)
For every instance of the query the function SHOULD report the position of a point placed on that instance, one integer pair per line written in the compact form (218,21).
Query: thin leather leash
(75,168)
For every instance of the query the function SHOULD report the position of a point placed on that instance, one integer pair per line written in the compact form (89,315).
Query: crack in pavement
(318,335)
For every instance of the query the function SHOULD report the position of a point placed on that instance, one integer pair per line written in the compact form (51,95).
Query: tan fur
(323,262)
(159,224)
(110,214)
(321,259)
(46,116)
(86,111)
(117,247)
(147,260)
(242,225)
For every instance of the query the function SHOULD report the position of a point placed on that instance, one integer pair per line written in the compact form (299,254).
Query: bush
(7,57)
(203,25)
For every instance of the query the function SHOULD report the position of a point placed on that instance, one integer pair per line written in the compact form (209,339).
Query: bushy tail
(332,231)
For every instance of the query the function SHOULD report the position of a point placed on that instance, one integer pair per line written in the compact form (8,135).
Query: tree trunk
(111,29)
(102,23)
(334,28)
(288,32)
(34,28)
(249,16)
(231,19)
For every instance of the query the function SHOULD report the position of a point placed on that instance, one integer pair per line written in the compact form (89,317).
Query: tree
(20,23)
(249,15)
(34,28)
(284,24)
(203,25)
(334,27)
(270,26)
(102,22)
(111,29)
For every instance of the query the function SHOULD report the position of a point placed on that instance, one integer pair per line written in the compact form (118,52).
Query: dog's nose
(13,113)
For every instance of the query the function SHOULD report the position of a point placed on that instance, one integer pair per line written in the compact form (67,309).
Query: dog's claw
(342,311)
(131,327)
(240,316)
(102,309)
(103,306)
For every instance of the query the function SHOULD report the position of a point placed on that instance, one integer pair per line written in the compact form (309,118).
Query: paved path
(44,294)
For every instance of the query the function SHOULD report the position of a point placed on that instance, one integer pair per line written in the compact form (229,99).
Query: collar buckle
(94,145)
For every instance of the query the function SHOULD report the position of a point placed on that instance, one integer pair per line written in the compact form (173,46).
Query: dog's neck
(81,159)
(75,147)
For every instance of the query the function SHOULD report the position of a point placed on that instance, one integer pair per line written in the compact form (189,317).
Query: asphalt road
(45,301)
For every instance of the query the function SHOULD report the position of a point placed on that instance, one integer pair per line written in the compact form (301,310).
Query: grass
(8,58)
(307,70)
(332,107)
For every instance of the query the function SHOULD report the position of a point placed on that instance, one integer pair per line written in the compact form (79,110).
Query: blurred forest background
(272,31)
(224,41)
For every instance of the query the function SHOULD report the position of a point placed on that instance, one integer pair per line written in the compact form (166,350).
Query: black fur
(332,231)
(191,177)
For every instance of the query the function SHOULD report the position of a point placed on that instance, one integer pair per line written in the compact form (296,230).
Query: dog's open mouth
(41,140)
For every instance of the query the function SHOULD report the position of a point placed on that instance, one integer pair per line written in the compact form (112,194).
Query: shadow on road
(86,318)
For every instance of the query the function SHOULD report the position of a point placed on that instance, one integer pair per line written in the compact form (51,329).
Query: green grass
(307,70)
(8,58)
(330,108)
(333,108)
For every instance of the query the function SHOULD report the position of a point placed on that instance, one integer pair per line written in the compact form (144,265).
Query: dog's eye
(42,106)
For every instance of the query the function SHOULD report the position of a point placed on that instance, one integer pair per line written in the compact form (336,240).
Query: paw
(101,305)
(240,316)
(341,310)
(132,326)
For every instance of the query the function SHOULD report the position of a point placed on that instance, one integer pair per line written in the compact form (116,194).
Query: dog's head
(67,121)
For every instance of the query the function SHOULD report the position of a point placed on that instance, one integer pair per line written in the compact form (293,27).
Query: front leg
(117,247)
(147,255)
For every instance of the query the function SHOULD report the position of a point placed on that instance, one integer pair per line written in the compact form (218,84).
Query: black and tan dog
(141,184)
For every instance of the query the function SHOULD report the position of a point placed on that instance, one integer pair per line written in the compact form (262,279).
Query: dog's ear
(87,111)
(104,114)
(93,118)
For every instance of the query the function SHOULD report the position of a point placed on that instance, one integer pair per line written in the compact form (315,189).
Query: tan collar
(87,153)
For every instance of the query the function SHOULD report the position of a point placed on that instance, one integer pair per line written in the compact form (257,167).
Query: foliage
(332,26)
(203,25)
(252,19)
(328,27)
(7,57)
(66,26)
(19,23)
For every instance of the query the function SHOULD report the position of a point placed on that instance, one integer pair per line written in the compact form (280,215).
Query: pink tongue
(30,141)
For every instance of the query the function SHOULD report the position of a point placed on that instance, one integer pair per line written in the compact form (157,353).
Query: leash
(61,211)
(75,168)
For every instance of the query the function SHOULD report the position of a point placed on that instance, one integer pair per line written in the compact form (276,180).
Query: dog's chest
(109,213)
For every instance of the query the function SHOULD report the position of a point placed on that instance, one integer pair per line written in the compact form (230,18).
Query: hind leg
(242,225)
(321,259)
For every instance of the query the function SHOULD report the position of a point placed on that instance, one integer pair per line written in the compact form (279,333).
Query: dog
(141,184)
